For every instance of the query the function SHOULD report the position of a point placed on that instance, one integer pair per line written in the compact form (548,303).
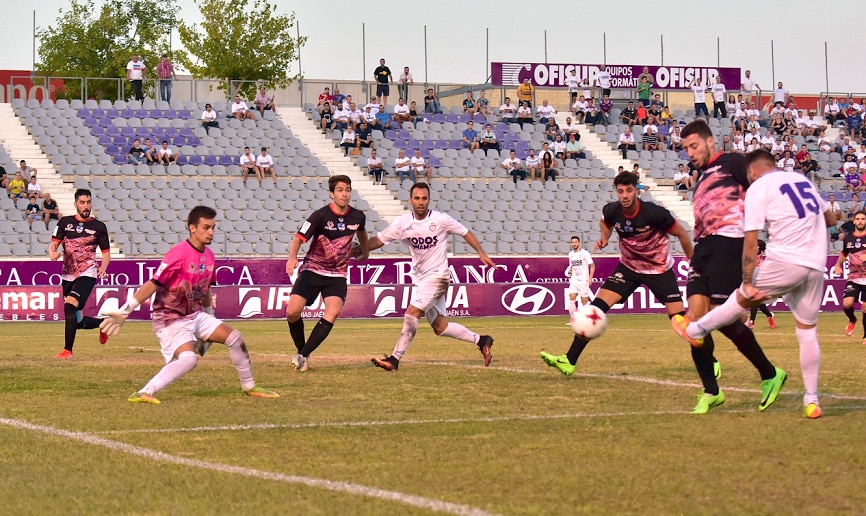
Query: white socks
(410,328)
(810,363)
(716,318)
(460,332)
(173,370)
(240,357)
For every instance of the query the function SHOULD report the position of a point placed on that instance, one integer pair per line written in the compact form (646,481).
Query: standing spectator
(33,211)
(136,154)
(136,72)
(514,167)
(384,79)
(525,93)
(401,112)
(431,103)
(573,83)
(165,73)
(780,95)
(403,167)
(720,110)
(17,187)
(470,137)
(644,91)
(165,155)
(483,104)
(375,167)
(749,86)
(405,80)
(626,143)
(469,104)
(265,165)
(488,139)
(50,210)
(602,81)
(209,118)
(248,165)
(26,171)
(700,93)
(240,109)
(263,101)
(330,231)
(349,140)
(420,166)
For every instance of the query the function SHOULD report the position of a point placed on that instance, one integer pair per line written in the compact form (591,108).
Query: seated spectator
(580,108)
(488,139)
(469,104)
(248,166)
(558,147)
(642,114)
(508,112)
(347,102)
(209,118)
(403,167)
(17,187)
(809,167)
(365,136)
(854,205)
(413,112)
(574,149)
(833,112)
(325,96)
(50,210)
(470,137)
(373,105)
(626,143)
(514,167)
(651,139)
(545,111)
(369,116)
(666,117)
(165,155)
(548,164)
(240,110)
(33,211)
(136,154)
(483,105)
(34,188)
(375,167)
(551,130)
(264,102)
(327,114)
(683,180)
(654,115)
(853,179)
(636,171)
(533,165)
(383,119)
(628,115)
(149,151)
(787,162)
(420,166)
(337,99)
(524,115)
(431,103)
(349,140)
(604,109)
(4,179)
(726,146)
(738,146)
(26,171)
(592,114)
(265,165)
(340,118)
(834,206)
(401,112)
(570,128)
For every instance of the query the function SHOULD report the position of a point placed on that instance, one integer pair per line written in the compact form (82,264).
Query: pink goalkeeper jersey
(184,277)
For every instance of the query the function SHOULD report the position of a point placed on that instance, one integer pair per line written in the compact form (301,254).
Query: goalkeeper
(183,317)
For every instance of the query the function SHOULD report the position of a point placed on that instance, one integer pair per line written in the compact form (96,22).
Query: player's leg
(771,320)
(572,298)
(333,292)
(304,293)
(753,313)
(75,296)
(212,329)
(178,349)
(436,316)
(805,302)
(851,294)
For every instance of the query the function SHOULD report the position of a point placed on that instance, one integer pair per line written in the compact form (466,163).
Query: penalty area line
(331,485)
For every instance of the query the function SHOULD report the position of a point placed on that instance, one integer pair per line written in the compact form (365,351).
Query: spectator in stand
(603,81)
(165,73)
(731,105)
(265,164)
(327,119)
(834,206)
(574,149)
(525,92)
(413,112)
(469,104)
(483,104)
(548,164)
(749,85)
(644,91)
(657,102)
(854,120)
(654,115)
(470,137)
(33,211)
(787,163)
(209,118)
(676,141)
(136,154)
(325,96)
(642,114)
(533,165)
(348,102)
(579,108)
(365,136)
(248,166)
(384,79)
(26,171)
(403,167)
(34,188)
(524,115)
(508,112)
(604,109)
(626,143)
(165,155)
(401,112)
(666,116)
(573,83)
(149,151)
(720,110)
(264,102)
(17,187)
(4,178)
(683,180)
(349,140)
(570,128)
(558,147)
(369,116)
(514,167)
(404,81)
(780,95)
(338,99)
(488,139)
(738,146)
(240,110)
(651,140)
(135,73)
(431,103)
(853,180)
(383,119)
(854,205)
(628,115)
(727,145)
(420,167)
(700,94)
(545,111)
(340,118)
(551,130)
(375,167)
(50,210)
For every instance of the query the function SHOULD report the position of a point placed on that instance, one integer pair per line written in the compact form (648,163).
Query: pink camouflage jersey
(183,278)
(80,238)
(720,195)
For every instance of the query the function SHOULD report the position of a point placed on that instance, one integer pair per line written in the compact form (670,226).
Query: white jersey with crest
(427,239)
(793,211)
(578,263)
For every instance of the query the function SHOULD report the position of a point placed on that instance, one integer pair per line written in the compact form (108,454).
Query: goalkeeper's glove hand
(114,320)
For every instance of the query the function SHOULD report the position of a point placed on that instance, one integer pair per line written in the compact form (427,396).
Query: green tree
(88,40)
(241,45)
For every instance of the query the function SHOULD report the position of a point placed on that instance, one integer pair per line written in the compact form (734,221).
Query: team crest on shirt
(79,228)
(432,227)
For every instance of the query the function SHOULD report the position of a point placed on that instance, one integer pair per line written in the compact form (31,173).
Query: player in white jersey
(579,272)
(797,219)
(426,232)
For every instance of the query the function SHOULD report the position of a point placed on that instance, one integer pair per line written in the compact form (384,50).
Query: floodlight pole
(826,69)
(425,56)
(545,46)
(300,68)
(773,63)
(364,58)
(718,52)
(33,69)
(604,44)
(487,58)
(662,46)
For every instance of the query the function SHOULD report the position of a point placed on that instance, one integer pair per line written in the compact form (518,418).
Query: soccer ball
(589,322)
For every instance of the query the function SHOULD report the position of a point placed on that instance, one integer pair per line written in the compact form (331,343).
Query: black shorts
(701,108)
(716,268)
(309,285)
(383,89)
(79,288)
(854,290)
(625,281)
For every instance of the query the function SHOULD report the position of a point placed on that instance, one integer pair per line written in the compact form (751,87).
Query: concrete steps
(380,198)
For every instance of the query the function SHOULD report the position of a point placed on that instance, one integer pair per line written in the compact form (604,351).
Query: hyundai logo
(528,300)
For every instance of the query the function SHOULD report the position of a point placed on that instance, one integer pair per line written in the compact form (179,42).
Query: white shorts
(183,331)
(429,296)
(580,288)
(800,287)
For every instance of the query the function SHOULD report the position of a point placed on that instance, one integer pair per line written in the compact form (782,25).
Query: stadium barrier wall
(379,287)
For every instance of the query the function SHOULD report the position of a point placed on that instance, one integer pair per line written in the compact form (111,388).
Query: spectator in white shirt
(401,112)
(626,143)
(240,110)
(209,118)
(405,80)
(545,111)
(248,165)
(514,167)
(375,167)
(420,166)
(683,180)
(165,155)
(403,167)
(265,164)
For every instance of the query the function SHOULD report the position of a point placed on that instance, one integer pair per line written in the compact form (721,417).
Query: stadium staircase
(19,144)
(378,196)
(612,158)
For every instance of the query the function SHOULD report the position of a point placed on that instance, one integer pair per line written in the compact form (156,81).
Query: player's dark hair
(625,179)
(698,127)
(758,155)
(422,185)
(860,212)
(575,237)
(82,191)
(333,180)
(198,213)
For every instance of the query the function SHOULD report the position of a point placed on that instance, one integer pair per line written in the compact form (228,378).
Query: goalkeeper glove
(114,320)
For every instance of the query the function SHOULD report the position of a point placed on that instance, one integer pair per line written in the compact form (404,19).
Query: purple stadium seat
(479,119)
(104,121)
(400,143)
(112,113)
(414,144)
(210,160)
(112,130)
(141,113)
(127,131)
(192,140)
(127,113)
(434,161)
(521,154)
(141,132)
(120,159)
(177,141)
(97,130)
(503,127)
(186,131)
(438,118)
(170,114)
(404,134)
(428,144)
(226,160)
(112,149)
(454,119)
(195,160)
(157,132)
(83,113)
(98,112)
(442,144)
(185,113)
(182,160)
(155,113)
(465,118)
(90,122)
(425,153)
(169,131)
(455,144)
(391,134)
(105,140)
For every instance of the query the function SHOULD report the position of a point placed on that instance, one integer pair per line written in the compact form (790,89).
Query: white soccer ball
(589,322)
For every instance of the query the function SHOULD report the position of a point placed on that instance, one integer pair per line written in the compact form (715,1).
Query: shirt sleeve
(755,206)
(452,226)
(168,269)
(310,227)
(103,242)
(391,233)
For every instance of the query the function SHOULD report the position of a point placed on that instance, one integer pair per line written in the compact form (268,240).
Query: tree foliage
(239,42)
(88,40)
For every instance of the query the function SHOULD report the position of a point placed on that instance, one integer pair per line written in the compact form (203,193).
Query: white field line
(331,485)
